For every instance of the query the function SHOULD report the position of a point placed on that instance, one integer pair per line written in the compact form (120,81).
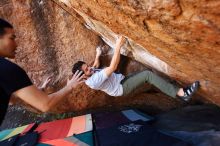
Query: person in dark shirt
(14,80)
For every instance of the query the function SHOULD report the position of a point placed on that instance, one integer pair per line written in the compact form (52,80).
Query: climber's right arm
(116,57)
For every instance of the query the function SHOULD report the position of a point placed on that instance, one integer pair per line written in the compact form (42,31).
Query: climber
(118,85)
(15,82)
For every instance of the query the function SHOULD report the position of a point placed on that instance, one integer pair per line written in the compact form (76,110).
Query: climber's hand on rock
(120,41)
(76,79)
(98,51)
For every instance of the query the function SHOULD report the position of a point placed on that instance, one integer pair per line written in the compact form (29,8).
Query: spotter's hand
(76,79)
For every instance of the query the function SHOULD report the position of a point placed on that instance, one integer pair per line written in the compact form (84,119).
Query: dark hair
(4,24)
(77,66)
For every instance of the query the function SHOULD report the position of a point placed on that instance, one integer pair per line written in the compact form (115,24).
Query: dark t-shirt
(12,78)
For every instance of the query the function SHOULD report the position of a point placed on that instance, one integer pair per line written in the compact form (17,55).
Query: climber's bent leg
(134,81)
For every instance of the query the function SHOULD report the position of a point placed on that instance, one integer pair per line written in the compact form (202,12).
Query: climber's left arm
(96,63)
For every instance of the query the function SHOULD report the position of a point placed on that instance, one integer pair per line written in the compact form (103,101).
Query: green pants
(132,82)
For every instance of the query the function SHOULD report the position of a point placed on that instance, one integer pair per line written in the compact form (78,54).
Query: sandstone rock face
(179,39)
(48,38)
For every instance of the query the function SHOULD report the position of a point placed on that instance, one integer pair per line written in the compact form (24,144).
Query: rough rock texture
(180,38)
(50,40)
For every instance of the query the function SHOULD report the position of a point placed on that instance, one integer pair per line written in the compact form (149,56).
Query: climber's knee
(148,73)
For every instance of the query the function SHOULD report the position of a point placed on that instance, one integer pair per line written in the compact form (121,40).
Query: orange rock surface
(177,38)
(183,36)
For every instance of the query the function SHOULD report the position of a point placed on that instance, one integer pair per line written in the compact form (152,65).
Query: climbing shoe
(190,90)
